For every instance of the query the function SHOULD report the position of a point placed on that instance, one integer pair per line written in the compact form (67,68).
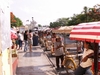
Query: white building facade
(5,38)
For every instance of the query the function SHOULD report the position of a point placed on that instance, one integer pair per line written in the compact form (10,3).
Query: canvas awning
(64,29)
(55,30)
(61,29)
(68,29)
(86,31)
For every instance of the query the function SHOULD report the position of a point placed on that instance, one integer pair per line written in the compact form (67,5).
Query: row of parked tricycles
(89,32)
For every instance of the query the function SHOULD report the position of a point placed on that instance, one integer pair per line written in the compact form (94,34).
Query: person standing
(58,50)
(25,40)
(20,40)
(86,63)
(35,39)
(48,36)
(30,41)
(53,39)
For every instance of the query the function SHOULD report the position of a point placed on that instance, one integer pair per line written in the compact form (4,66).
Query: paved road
(53,63)
(34,63)
(37,62)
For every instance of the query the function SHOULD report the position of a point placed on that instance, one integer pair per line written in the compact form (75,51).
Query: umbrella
(68,29)
(64,29)
(13,35)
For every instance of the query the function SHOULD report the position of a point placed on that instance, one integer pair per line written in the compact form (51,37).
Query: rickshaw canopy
(63,29)
(86,32)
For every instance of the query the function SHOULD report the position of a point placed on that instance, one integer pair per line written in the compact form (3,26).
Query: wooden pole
(96,47)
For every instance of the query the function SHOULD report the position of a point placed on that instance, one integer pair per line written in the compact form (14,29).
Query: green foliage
(87,15)
(63,21)
(18,22)
(59,22)
(15,21)
(39,25)
(54,24)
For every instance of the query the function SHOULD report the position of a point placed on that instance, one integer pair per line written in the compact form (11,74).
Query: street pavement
(37,62)
(34,63)
(53,63)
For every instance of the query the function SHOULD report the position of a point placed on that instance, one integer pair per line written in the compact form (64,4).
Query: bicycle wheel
(69,64)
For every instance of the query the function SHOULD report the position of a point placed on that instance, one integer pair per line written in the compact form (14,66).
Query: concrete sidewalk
(34,63)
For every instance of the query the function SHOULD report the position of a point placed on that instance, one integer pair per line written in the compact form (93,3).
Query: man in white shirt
(58,50)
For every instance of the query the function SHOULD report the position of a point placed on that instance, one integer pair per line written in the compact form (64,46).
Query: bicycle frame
(69,59)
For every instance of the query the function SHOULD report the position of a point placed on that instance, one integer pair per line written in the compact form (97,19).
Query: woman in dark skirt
(35,39)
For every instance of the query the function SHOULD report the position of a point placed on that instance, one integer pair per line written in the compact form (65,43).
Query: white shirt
(59,51)
(89,60)
(21,37)
(49,37)
(49,45)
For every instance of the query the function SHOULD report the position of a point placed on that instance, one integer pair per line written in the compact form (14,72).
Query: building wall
(5,55)
(6,67)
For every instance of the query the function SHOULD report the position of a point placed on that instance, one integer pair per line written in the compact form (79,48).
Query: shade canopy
(68,29)
(55,30)
(86,31)
(63,29)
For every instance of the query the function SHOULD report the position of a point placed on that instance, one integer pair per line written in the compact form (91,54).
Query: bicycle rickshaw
(89,32)
(68,61)
(73,53)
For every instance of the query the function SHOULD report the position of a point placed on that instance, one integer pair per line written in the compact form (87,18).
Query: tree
(87,15)
(54,24)
(63,21)
(94,13)
(12,19)
(59,22)
(15,21)
(18,22)
(73,20)
(39,25)
(85,12)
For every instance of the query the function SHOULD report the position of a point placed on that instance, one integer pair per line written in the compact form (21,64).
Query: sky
(46,11)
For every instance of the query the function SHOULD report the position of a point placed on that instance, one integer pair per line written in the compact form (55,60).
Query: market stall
(89,32)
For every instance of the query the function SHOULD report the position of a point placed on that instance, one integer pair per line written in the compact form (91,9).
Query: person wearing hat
(58,50)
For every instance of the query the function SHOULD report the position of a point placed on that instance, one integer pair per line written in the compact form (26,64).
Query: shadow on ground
(52,60)
(33,54)
(35,70)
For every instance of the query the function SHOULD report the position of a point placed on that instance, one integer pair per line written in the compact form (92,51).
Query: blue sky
(46,11)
